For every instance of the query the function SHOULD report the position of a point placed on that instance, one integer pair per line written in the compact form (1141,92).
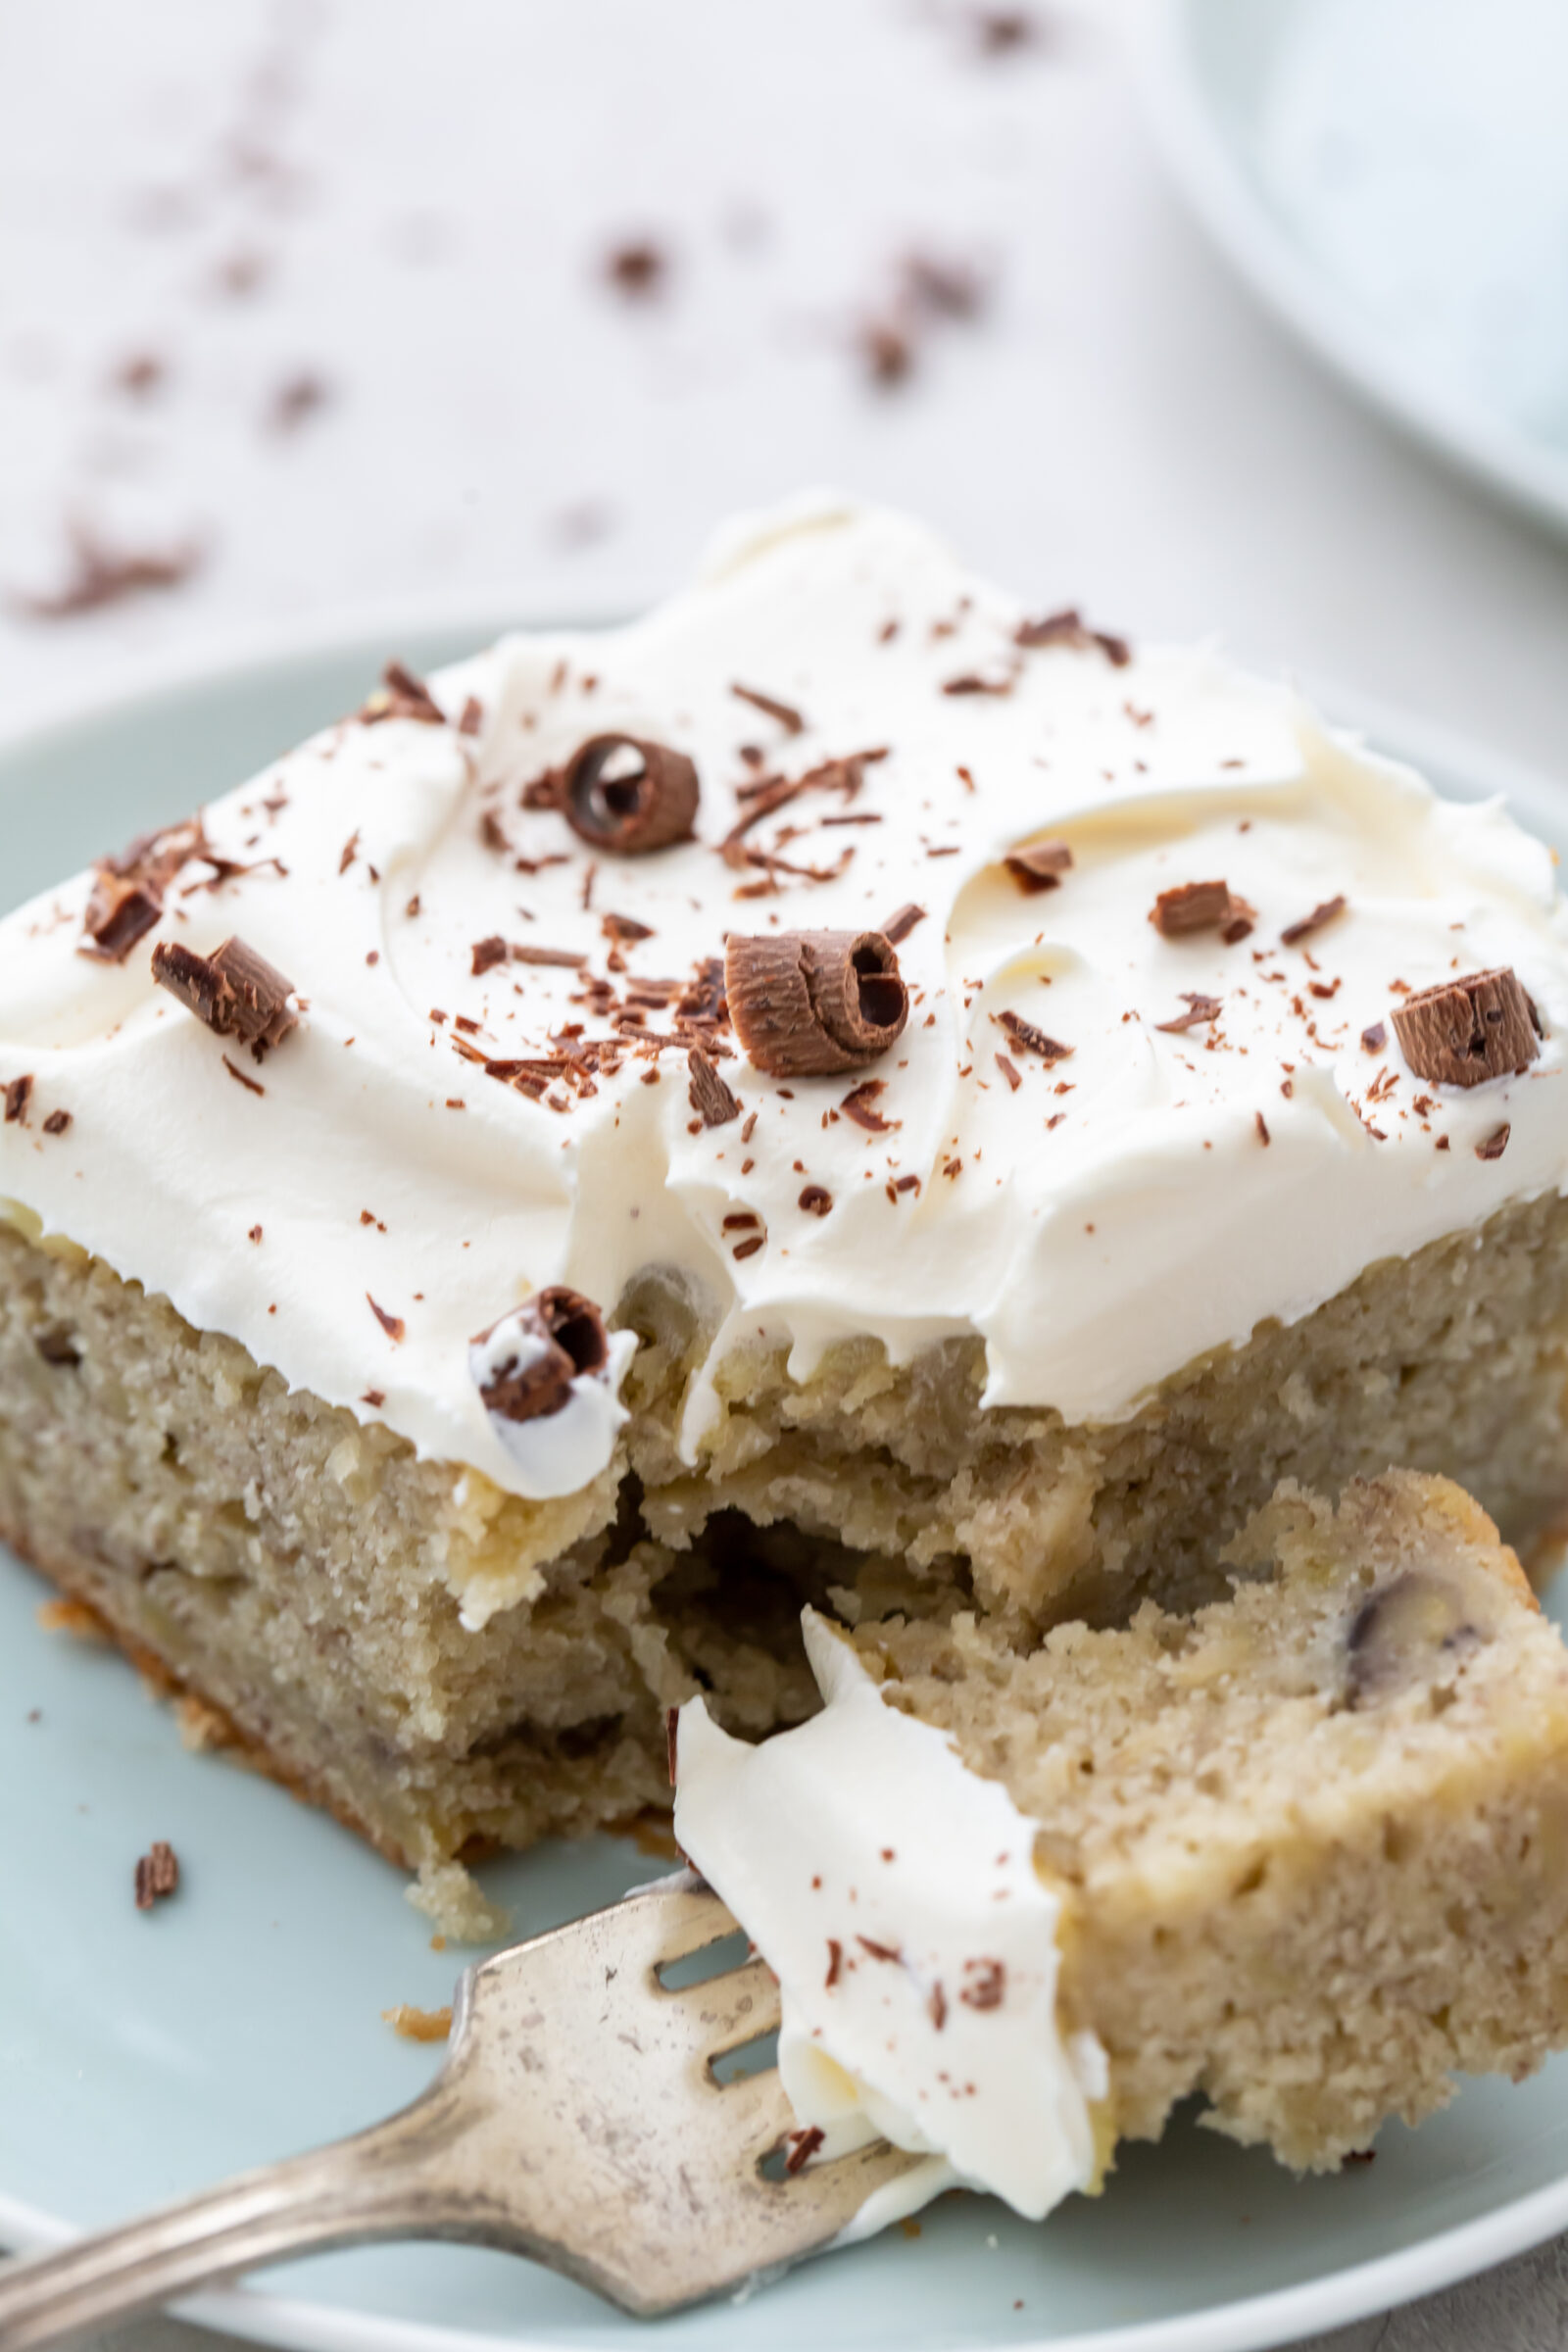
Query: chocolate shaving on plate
(1198,1010)
(157,1874)
(401,695)
(1039,865)
(1465,1031)
(233,992)
(1033,1041)
(805,1004)
(575,1341)
(710,1098)
(624,792)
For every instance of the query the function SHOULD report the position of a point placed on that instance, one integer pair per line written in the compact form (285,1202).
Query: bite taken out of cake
(1300,1853)
(847,1091)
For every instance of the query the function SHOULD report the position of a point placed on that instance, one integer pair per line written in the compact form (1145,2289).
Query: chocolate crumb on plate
(637,267)
(157,1874)
(805,1004)
(1465,1031)
(626,793)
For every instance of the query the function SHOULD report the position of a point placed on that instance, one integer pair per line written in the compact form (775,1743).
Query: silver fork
(578,2119)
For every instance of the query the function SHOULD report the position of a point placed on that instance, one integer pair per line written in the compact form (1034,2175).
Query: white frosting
(894,1895)
(1100,1225)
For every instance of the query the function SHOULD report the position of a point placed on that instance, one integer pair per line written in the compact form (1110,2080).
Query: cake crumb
(419,2024)
(454,1900)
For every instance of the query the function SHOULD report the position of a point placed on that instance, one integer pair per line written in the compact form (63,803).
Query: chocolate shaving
(788,717)
(1322,913)
(565,958)
(805,1004)
(835,1961)
(1033,1041)
(575,1342)
(624,792)
(1496,1143)
(803,2147)
(1198,1010)
(1067,628)
(57,1122)
(487,952)
(671,1738)
(252,1086)
(1466,1031)
(128,892)
(393,1325)
(1374,1040)
(1039,867)
(1011,1071)
(895,930)
(937,2007)
(493,833)
(637,267)
(977,681)
(18,1094)
(157,1874)
(709,1097)
(860,1105)
(815,1200)
(1202,907)
(401,695)
(878,1951)
(472,718)
(624,929)
(233,992)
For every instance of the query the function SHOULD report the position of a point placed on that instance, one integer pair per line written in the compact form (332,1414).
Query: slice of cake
(845,1088)
(1301,1852)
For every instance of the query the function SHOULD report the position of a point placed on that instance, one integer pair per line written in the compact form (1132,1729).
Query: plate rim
(1218,193)
(1250,2323)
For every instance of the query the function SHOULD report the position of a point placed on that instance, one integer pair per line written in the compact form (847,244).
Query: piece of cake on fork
(847,1091)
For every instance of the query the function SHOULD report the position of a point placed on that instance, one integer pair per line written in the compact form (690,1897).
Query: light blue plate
(1391,177)
(145,2054)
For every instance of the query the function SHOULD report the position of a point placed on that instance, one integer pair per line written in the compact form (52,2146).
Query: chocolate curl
(1463,1032)
(805,1004)
(622,793)
(233,992)
(574,1331)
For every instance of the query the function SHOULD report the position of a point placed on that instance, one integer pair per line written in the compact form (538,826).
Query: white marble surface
(411,205)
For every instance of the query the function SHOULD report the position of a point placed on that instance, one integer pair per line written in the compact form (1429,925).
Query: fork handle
(349,2194)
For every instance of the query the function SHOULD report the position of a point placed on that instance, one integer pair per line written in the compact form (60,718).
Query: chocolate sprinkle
(1465,1031)
(575,1342)
(157,1874)
(233,992)
(805,1004)
(625,793)
(709,1097)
